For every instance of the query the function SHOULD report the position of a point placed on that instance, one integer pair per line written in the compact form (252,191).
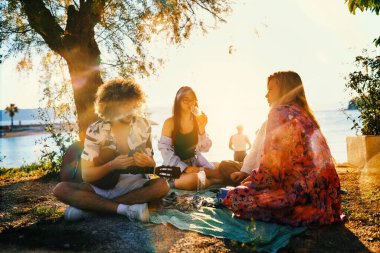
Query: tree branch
(210,11)
(44,23)
(94,9)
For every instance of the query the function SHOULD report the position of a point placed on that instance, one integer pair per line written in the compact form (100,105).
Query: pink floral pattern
(296,182)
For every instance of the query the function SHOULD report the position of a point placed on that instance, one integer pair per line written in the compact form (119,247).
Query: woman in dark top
(183,139)
(184,144)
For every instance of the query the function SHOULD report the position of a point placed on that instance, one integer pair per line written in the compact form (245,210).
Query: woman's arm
(252,160)
(166,148)
(204,143)
(248,142)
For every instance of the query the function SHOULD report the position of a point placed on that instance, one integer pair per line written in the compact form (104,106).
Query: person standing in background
(238,143)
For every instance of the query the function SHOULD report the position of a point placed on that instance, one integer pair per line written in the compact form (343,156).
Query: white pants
(127,183)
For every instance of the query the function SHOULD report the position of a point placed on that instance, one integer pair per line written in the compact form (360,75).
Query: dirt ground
(31,221)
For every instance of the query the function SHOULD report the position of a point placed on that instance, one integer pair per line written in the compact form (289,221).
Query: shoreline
(22,130)
(9,135)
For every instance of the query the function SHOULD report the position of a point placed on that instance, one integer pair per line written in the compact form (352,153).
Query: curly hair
(114,92)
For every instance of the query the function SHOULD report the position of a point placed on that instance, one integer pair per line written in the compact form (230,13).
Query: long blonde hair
(292,91)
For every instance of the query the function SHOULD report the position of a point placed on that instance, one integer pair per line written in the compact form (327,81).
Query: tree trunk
(85,79)
(11,123)
(77,45)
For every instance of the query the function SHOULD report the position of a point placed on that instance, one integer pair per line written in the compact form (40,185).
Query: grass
(27,171)
(46,212)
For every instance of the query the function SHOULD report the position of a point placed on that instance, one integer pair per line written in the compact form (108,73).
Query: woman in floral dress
(296,182)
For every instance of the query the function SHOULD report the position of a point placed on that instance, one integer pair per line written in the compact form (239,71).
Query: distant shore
(23,130)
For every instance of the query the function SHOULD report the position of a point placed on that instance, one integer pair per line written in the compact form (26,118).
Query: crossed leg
(189,181)
(82,196)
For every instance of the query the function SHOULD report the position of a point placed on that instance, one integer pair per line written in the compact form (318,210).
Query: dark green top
(185,144)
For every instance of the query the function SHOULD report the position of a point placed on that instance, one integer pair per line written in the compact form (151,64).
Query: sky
(317,39)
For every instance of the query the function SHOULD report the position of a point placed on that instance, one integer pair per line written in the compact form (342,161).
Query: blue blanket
(219,222)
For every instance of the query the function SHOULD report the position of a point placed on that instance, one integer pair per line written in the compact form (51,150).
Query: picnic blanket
(209,218)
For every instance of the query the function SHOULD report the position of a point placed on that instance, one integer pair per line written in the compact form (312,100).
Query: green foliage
(46,212)
(58,113)
(121,29)
(100,38)
(12,109)
(377,41)
(364,85)
(365,5)
(33,169)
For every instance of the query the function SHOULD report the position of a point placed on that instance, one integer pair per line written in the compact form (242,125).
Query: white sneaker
(75,214)
(137,212)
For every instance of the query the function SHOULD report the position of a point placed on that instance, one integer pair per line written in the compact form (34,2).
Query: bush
(58,114)
(29,170)
(364,86)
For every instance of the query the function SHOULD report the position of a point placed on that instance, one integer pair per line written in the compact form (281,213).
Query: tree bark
(83,58)
(85,78)
(11,123)
(77,45)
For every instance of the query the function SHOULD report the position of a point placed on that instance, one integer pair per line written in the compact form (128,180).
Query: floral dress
(296,182)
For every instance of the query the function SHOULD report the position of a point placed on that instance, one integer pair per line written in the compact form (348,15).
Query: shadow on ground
(31,221)
(116,234)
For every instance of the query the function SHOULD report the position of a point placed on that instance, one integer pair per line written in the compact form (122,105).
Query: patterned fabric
(99,135)
(296,182)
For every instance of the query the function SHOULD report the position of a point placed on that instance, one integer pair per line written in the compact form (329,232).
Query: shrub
(364,85)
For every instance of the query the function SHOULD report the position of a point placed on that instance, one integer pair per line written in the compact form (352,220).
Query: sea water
(17,151)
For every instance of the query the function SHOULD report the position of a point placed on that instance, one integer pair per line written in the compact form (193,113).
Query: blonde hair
(115,92)
(292,91)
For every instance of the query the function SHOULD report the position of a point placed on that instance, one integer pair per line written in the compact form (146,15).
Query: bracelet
(110,165)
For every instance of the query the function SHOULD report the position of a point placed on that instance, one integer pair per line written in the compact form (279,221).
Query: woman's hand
(202,122)
(238,176)
(143,160)
(191,169)
(247,183)
(121,162)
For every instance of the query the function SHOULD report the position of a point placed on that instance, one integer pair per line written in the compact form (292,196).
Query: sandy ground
(31,221)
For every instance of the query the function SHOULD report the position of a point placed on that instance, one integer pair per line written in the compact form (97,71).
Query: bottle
(196,112)
(201,184)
